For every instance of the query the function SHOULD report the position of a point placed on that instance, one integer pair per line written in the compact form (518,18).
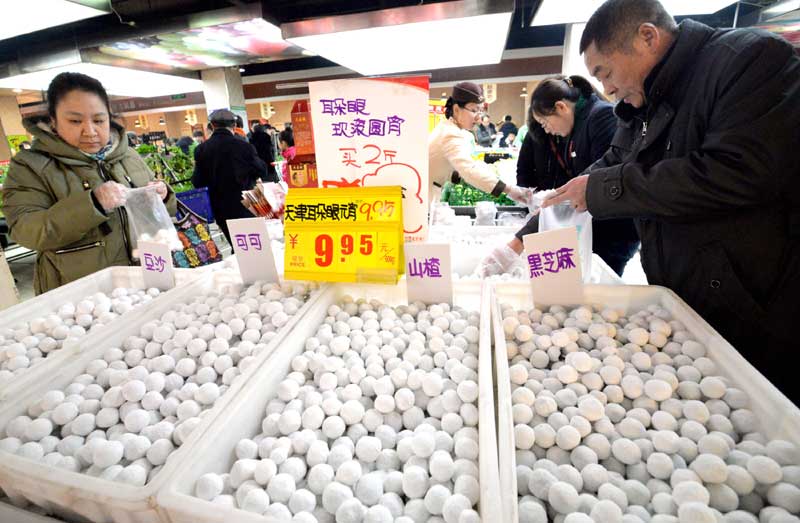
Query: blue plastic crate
(198,201)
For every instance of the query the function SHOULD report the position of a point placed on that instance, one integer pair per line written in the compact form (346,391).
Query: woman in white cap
(449,153)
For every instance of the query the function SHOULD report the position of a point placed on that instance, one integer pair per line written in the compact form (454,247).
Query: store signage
(429,277)
(157,268)
(253,250)
(344,235)
(554,267)
(374,132)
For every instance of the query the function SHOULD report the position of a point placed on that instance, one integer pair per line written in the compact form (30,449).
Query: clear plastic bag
(485,213)
(563,215)
(149,219)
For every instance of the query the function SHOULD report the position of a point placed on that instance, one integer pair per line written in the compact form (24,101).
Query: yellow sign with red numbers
(348,234)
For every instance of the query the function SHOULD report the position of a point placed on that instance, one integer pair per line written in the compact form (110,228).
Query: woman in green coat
(63,198)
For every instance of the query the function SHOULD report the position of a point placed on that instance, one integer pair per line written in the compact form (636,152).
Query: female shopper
(63,198)
(450,153)
(288,150)
(570,109)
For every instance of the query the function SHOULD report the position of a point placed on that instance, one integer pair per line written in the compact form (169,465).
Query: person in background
(537,165)
(569,108)
(252,126)
(288,151)
(266,151)
(198,137)
(520,138)
(133,139)
(508,128)
(183,143)
(64,197)
(485,132)
(706,163)
(227,165)
(449,153)
(238,129)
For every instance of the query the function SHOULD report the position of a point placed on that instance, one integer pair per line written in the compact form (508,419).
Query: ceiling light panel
(553,12)
(420,46)
(34,15)
(118,81)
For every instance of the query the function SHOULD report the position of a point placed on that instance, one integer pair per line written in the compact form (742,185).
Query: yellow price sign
(344,234)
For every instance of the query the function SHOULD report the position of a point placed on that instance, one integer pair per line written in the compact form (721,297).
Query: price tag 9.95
(344,235)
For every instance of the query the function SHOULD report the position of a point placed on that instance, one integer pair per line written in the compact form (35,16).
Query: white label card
(157,268)
(554,267)
(253,250)
(429,277)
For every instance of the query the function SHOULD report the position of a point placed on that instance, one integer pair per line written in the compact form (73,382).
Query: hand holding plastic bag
(110,195)
(521,195)
(499,261)
(562,215)
(150,220)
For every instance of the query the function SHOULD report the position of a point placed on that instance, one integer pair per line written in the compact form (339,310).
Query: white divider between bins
(104,281)
(71,494)
(491,508)
(506,446)
(242,419)
(778,417)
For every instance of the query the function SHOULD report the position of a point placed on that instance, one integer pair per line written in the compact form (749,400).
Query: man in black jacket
(266,151)
(227,165)
(705,160)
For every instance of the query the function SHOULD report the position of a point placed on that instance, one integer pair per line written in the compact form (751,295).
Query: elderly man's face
(623,70)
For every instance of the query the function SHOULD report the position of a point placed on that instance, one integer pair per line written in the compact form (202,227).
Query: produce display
(625,419)
(376,422)
(464,194)
(23,346)
(169,164)
(131,409)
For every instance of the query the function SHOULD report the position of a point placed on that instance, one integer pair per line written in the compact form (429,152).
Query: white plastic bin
(11,514)
(243,417)
(778,417)
(104,281)
(72,495)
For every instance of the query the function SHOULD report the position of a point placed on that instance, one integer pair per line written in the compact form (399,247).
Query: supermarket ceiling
(184,36)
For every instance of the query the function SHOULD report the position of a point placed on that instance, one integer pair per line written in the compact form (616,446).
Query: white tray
(242,419)
(70,494)
(103,281)
(778,417)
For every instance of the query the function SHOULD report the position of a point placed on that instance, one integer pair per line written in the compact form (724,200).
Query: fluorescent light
(781,8)
(553,12)
(420,46)
(34,15)
(118,81)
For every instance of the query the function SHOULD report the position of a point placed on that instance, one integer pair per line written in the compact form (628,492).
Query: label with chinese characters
(253,250)
(344,235)
(373,132)
(429,278)
(554,267)
(157,269)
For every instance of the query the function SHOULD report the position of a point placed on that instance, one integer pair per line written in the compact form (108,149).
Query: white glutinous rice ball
(281,487)
(454,506)
(690,491)
(764,469)
(563,497)
(38,429)
(696,513)
(334,495)
(108,453)
(209,486)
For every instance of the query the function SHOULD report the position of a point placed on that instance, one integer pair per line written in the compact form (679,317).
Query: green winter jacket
(48,204)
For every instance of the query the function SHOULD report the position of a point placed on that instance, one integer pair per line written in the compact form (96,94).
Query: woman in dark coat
(569,108)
